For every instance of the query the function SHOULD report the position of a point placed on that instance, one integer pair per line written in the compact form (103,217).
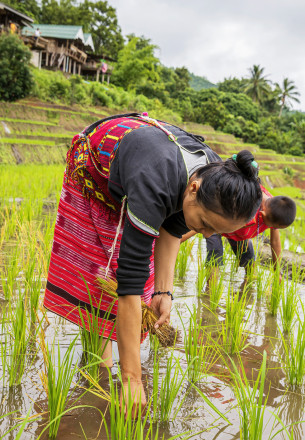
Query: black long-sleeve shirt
(151,171)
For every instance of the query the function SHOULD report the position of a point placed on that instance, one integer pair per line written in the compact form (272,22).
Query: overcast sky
(223,38)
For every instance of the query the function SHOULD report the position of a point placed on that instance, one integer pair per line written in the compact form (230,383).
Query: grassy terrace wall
(37,132)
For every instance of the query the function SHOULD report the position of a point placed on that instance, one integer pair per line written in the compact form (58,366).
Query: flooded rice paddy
(219,353)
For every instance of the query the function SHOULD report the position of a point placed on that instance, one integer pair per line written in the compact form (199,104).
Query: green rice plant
(200,351)
(10,217)
(289,304)
(21,425)
(93,343)
(263,281)
(251,403)
(34,292)
(9,274)
(274,298)
(234,328)
(294,354)
(170,389)
(124,424)
(202,272)
(57,379)
(4,347)
(216,285)
(183,258)
(18,340)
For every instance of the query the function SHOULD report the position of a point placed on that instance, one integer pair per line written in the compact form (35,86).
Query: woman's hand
(161,305)
(128,328)
(134,389)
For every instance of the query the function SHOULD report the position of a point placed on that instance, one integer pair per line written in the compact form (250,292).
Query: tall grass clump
(277,289)
(93,343)
(289,304)
(9,274)
(294,354)
(201,271)
(251,402)
(57,379)
(169,392)
(216,284)
(200,351)
(252,405)
(183,258)
(19,337)
(126,422)
(234,328)
(263,281)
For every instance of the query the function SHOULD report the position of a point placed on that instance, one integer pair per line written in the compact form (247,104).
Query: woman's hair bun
(246,163)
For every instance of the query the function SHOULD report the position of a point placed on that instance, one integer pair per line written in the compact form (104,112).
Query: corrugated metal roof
(58,31)
(9,8)
(89,41)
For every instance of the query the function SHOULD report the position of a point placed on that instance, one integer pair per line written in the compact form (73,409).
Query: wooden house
(58,47)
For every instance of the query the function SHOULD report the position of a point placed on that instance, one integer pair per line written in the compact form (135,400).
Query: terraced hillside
(37,132)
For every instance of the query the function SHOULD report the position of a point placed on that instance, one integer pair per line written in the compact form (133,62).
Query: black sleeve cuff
(133,261)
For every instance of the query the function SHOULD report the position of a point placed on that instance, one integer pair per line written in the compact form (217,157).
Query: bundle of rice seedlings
(165,333)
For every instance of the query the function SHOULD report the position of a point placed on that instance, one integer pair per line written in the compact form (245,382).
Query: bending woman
(132,187)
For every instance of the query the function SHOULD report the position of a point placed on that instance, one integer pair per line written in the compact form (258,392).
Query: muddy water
(289,404)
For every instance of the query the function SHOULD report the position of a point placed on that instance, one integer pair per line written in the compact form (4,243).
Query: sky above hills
(218,39)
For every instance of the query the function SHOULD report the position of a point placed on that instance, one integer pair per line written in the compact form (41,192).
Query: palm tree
(257,85)
(286,93)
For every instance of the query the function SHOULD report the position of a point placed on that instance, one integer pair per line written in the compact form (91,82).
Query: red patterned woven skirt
(84,233)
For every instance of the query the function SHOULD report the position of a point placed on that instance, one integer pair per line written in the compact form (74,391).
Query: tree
(257,85)
(136,66)
(286,93)
(105,29)
(98,18)
(15,75)
(27,7)
(233,85)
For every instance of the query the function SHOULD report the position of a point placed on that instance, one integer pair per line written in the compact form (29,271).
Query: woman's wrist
(168,293)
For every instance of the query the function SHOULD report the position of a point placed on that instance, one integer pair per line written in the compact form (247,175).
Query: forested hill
(199,82)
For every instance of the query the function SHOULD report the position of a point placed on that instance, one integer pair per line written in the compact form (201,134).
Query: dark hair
(282,210)
(231,188)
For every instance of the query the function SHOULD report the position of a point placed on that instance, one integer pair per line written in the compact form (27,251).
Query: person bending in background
(274,213)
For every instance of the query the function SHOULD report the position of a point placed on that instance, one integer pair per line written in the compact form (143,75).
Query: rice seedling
(125,423)
(289,304)
(234,328)
(18,340)
(57,379)
(9,275)
(10,217)
(93,341)
(166,333)
(294,354)
(216,285)
(200,350)
(251,403)
(21,425)
(202,272)
(170,388)
(34,290)
(183,258)
(274,297)
(263,281)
